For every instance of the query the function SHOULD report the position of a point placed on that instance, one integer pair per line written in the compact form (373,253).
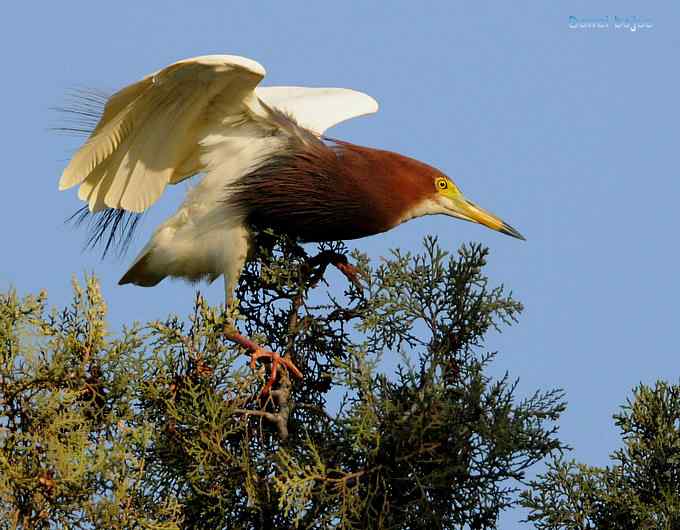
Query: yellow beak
(469,211)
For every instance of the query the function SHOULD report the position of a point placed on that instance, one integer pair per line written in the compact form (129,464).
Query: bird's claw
(259,352)
(276,360)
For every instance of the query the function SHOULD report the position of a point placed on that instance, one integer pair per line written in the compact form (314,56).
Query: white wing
(192,115)
(318,109)
(149,133)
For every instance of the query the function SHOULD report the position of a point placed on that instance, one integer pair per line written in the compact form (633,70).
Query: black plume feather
(111,228)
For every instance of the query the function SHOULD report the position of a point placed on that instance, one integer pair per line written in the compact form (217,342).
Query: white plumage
(204,114)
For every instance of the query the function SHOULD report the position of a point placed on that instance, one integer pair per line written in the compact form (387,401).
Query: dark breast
(324,192)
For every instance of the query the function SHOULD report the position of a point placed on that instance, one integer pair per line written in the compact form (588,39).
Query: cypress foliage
(639,491)
(162,426)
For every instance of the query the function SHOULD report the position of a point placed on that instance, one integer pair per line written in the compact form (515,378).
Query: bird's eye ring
(441,183)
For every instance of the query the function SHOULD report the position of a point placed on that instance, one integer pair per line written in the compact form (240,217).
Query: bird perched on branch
(266,163)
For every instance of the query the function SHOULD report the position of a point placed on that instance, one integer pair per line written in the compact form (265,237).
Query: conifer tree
(163,426)
(639,491)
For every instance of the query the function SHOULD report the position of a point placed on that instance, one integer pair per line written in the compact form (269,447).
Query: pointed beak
(469,211)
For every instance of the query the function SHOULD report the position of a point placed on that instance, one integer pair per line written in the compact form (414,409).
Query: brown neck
(323,192)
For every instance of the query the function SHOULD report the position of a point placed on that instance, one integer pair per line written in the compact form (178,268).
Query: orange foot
(259,352)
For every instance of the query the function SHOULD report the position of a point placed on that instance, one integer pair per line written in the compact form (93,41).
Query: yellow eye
(441,183)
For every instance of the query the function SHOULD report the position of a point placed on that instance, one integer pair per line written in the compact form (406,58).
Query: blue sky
(570,135)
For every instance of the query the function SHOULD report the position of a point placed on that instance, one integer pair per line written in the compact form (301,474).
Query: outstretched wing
(150,132)
(318,109)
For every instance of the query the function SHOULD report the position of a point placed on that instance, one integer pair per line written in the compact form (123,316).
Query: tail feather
(141,273)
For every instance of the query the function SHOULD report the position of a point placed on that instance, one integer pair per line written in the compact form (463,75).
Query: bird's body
(266,163)
(289,191)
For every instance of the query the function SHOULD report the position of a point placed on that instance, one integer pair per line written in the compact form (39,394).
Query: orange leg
(350,272)
(259,352)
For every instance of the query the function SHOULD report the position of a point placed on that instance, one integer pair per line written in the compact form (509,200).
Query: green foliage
(67,455)
(164,426)
(641,490)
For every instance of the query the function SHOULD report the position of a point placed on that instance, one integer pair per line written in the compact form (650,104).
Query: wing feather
(318,109)
(149,130)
